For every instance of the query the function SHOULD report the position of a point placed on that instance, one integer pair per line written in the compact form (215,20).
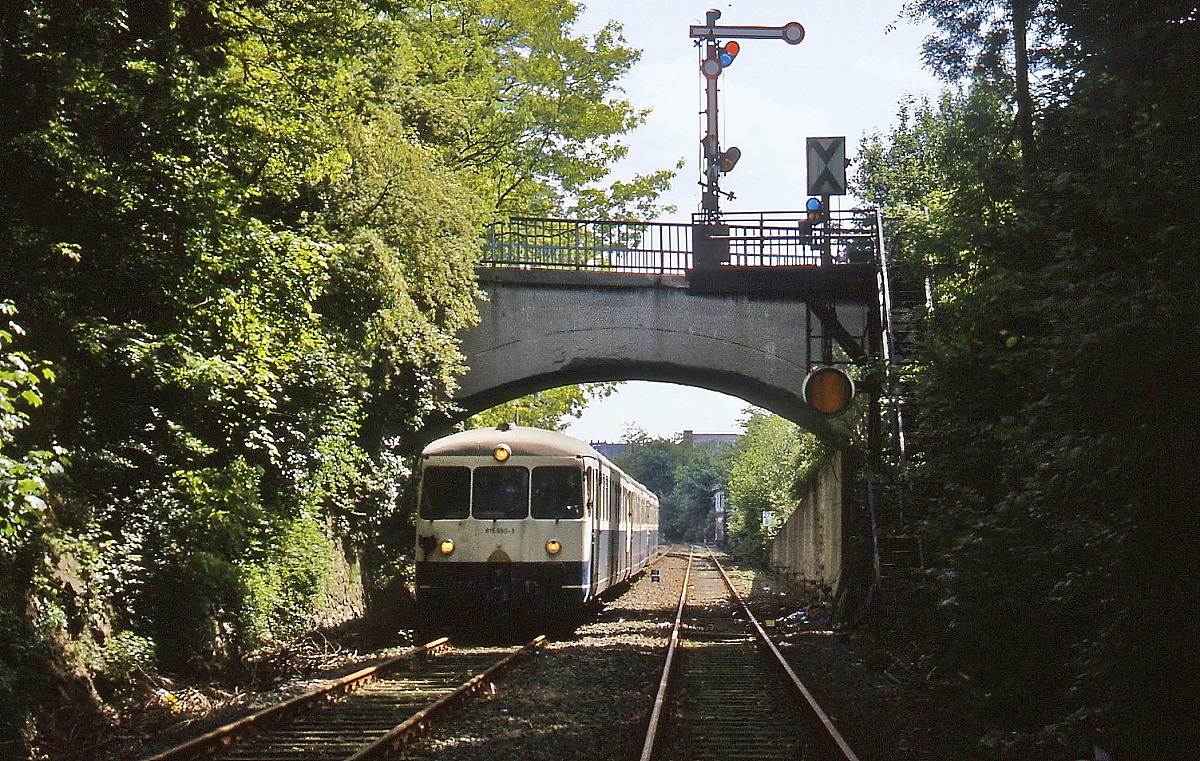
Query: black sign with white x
(826,166)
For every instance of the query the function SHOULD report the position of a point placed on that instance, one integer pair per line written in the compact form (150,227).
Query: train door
(614,529)
(635,532)
(630,529)
(591,499)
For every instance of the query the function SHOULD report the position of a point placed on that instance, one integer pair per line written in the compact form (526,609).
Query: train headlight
(553,546)
(502,452)
(446,546)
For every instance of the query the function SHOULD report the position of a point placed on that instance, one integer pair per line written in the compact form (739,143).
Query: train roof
(522,440)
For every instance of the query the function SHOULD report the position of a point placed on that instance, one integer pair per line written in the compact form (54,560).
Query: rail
(835,745)
(664,683)
(754,239)
(351,720)
(824,736)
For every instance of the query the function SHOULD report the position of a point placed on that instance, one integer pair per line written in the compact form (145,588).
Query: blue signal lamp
(815,209)
(727,52)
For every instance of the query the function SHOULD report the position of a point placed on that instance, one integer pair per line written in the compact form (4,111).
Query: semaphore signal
(721,48)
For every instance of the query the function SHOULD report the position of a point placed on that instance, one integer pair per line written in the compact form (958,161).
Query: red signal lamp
(728,52)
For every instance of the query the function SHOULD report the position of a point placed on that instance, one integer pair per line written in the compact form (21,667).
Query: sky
(857,62)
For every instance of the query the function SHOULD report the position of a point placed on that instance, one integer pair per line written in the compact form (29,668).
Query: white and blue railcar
(515,517)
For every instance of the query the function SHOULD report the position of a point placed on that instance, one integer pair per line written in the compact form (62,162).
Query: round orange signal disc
(828,390)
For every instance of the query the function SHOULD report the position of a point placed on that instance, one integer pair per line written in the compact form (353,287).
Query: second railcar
(515,516)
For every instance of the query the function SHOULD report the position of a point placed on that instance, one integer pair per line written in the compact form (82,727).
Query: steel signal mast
(717,56)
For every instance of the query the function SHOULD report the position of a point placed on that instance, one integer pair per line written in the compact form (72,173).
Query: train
(515,517)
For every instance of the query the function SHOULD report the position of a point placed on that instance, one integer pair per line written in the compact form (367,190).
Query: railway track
(726,691)
(365,715)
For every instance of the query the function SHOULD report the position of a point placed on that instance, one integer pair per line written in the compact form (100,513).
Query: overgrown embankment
(1049,382)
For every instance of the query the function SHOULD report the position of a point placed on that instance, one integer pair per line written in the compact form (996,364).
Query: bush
(289,588)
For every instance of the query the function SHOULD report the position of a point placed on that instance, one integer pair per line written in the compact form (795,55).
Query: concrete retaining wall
(811,547)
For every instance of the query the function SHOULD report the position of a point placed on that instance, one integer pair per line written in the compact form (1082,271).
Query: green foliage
(684,476)
(289,583)
(23,470)
(975,35)
(525,108)
(1048,471)
(688,507)
(765,465)
(650,461)
(126,657)
(550,409)
(991,38)
(244,236)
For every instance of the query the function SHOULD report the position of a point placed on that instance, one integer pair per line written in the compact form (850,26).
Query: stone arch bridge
(745,308)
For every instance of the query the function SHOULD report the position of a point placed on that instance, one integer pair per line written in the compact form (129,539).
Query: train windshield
(445,492)
(501,493)
(557,492)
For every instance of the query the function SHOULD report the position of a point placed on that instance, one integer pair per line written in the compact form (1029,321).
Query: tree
(550,409)
(23,471)
(688,507)
(525,109)
(650,461)
(244,236)
(683,476)
(764,467)
(1054,290)
(974,38)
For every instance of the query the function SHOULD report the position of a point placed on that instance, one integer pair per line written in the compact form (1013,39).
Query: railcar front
(505,521)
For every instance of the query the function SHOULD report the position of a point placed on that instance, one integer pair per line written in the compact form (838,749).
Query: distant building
(720,515)
(715,440)
(607,449)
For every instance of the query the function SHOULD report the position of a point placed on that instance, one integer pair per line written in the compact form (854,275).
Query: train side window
(500,493)
(445,492)
(557,492)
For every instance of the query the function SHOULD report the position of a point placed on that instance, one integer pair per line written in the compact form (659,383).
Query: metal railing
(782,238)
(755,239)
(594,245)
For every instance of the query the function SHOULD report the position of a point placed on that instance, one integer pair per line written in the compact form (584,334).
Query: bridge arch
(540,329)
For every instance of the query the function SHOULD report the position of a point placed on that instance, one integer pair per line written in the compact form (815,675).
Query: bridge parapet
(749,239)
(589,245)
